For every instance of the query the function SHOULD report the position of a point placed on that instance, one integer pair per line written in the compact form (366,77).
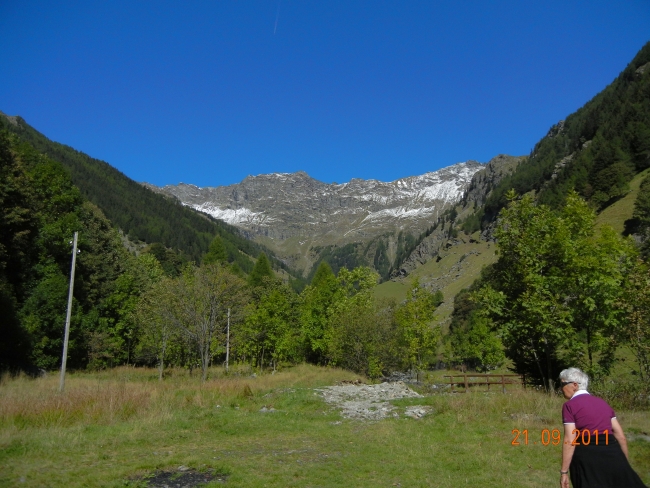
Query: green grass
(616,214)
(115,426)
(392,289)
(470,256)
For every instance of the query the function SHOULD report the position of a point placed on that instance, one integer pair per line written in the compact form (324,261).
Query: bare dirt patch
(183,477)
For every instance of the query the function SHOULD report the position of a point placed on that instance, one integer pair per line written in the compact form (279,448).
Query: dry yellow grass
(122,393)
(38,402)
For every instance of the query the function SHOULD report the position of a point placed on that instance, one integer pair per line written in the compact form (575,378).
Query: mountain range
(294,214)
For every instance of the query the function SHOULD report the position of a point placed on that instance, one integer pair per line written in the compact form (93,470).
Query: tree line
(560,294)
(211,310)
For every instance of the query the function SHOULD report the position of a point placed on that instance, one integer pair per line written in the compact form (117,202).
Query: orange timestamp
(582,437)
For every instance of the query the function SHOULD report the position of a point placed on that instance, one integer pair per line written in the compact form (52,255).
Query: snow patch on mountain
(281,204)
(233,216)
(399,213)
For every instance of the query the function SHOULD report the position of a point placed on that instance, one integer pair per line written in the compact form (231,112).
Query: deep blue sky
(208,92)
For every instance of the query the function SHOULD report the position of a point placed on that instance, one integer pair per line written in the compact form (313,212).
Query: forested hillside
(595,151)
(137,211)
(40,211)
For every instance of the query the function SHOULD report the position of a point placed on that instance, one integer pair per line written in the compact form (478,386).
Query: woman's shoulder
(600,401)
(596,399)
(592,401)
(585,399)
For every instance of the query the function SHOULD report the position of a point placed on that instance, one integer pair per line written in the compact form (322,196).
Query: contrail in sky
(277,16)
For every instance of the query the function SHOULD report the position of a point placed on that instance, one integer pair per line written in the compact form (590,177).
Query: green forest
(561,292)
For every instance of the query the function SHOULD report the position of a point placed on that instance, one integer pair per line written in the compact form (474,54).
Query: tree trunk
(591,362)
(204,367)
(205,361)
(161,363)
(539,366)
(549,380)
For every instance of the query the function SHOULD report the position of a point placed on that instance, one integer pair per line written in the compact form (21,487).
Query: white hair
(574,375)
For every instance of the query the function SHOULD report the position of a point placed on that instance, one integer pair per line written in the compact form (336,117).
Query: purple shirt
(588,412)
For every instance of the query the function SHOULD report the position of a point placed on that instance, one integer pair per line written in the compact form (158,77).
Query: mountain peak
(281,207)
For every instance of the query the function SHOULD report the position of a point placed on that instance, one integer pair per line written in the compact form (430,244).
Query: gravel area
(371,402)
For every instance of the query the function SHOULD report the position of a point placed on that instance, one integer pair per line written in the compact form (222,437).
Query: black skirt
(602,465)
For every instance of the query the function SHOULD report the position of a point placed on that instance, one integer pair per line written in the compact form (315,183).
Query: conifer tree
(216,253)
(261,270)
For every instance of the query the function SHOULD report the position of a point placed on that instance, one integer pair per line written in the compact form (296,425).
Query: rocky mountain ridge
(283,205)
(294,213)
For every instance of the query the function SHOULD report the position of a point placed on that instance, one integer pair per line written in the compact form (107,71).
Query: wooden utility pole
(228,341)
(67,318)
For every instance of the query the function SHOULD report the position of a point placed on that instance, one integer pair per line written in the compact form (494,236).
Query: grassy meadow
(112,428)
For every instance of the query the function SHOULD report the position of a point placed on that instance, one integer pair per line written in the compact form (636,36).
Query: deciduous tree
(635,328)
(416,321)
(155,314)
(270,330)
(197,303)
(316,303)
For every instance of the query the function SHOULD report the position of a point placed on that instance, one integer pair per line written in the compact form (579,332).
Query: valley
(323,244)
(293,214)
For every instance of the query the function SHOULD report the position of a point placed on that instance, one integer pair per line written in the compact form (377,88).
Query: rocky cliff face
(492,173)
(478,190)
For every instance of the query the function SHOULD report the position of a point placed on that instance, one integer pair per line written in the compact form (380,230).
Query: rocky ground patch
(371,402)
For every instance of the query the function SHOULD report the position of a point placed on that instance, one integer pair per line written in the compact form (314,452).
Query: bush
(626,394)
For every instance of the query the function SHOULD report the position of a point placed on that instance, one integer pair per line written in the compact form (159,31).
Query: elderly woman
(594,449)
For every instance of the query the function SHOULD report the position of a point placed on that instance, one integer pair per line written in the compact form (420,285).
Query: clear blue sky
(208,92)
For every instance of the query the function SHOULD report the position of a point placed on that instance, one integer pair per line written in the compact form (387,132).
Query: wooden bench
(485,379)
